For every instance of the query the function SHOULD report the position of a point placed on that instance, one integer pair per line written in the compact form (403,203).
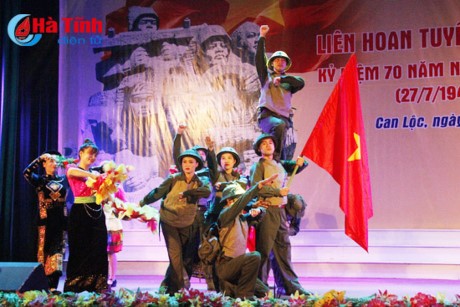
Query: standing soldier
(271,232)
(275,108)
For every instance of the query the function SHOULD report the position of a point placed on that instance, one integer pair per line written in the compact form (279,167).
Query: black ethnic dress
(51,191)
(87,269)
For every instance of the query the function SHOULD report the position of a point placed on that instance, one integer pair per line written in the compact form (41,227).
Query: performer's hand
(300,161)
(284,191)
(277,81)
(181,129)
(264,30)
(267,181)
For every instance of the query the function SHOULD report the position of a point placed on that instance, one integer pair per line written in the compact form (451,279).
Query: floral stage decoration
(192,297)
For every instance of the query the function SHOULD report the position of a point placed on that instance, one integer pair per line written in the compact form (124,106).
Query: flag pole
(288,185)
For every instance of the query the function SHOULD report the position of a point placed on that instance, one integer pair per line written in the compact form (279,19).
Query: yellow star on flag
(356,155)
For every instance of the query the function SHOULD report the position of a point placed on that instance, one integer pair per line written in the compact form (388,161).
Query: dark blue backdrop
(29,122)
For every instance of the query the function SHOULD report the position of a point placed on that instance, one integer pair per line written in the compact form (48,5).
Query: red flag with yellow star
(337,144)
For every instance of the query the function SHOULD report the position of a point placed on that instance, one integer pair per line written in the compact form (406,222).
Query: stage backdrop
(142,67)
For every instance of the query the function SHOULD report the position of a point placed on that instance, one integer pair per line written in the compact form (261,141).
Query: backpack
(210,248)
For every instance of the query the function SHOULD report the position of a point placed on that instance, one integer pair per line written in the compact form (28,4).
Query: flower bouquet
(128,211)
(107,183)
(109,191)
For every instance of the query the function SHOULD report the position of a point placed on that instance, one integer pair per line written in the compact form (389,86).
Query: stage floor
(354,287)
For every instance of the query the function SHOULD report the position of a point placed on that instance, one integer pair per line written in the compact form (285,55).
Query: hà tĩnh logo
(25,30)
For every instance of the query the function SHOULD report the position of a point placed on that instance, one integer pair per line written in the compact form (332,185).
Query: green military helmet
(279,54)
(194,154)
(231,151)
(200,147)
(259,140)
(197,148)
(231,191)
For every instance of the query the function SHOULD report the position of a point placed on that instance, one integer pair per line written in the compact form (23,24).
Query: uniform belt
(84,200)
(50,201)
(278,206)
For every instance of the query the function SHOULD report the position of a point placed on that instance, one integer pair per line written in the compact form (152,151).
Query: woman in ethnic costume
(87,268)
(51,191)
